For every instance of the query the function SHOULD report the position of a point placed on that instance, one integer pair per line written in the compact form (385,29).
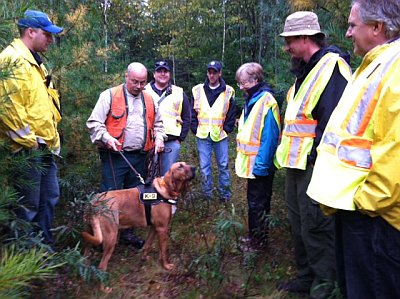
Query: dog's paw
(168,266)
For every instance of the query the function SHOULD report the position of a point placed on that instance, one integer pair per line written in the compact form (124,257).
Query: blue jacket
(270,134)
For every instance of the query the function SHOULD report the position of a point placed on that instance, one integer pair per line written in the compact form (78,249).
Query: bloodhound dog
(118,209)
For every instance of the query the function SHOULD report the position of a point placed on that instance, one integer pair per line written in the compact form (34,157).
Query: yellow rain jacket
(359,155)
(29,110)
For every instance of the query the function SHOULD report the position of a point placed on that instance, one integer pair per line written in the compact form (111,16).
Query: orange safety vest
(118,114)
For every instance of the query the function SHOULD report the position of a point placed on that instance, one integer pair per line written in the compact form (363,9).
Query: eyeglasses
(243,83)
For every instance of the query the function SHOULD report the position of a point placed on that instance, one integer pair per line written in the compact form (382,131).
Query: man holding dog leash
(175,110)
(125,124)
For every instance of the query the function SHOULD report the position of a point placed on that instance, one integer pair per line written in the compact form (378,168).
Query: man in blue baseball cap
(38,19)
(213,118)
(28,122)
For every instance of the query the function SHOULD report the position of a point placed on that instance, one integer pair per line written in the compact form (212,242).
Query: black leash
(153,165)
(133,169)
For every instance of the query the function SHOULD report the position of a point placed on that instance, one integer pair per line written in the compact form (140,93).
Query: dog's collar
(173,193)
(170,201)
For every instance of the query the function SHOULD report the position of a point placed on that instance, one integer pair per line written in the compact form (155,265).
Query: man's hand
(113,144)
(159,144)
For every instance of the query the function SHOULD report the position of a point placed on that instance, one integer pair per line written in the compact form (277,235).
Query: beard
(297,66)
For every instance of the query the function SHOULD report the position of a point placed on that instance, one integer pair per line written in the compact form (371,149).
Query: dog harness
(149,197)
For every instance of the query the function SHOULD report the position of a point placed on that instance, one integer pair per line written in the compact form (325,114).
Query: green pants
(313,235)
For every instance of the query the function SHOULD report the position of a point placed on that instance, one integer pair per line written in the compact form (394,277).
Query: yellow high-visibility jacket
(358,160)
(29,110)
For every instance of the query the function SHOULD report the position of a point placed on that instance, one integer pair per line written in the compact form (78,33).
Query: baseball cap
(162,64)
(301,23)
(216,65)
(38,19)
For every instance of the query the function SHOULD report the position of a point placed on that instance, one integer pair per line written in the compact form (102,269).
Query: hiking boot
(127,237)
(295,286)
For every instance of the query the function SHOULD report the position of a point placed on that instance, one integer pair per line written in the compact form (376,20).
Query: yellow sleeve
(15,99)
(381,190)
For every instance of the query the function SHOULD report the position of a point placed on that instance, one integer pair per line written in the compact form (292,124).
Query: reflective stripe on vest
(356,150)
(117,116)
(211,119)
(249,134)
(299,126)
(344,152)
(170,108)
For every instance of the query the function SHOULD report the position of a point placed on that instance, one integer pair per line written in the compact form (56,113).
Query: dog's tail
(97,237)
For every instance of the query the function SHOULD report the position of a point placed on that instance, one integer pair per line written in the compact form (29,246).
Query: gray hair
(385,11)
(253,70)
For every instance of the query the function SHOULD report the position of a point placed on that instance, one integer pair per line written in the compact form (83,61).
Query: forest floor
(203,245)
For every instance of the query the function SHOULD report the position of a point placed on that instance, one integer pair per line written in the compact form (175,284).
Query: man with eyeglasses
(213,118)
(175,110)
(126,119)
(321,74)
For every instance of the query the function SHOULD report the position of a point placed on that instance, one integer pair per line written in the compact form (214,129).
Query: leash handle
(133,169)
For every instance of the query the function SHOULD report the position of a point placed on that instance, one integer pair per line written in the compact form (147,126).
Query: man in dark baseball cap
(38,19)
(215,64)
(162,64)
(213,118)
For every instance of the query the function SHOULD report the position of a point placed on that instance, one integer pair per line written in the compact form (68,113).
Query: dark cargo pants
(313,235)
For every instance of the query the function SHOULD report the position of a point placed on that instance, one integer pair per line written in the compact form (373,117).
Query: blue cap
(162,64)
(38,19)
(216,65)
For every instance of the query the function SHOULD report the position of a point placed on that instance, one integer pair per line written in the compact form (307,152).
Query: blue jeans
(117,174)
(170,157)
(39,199)
(205,148)
(368,256)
